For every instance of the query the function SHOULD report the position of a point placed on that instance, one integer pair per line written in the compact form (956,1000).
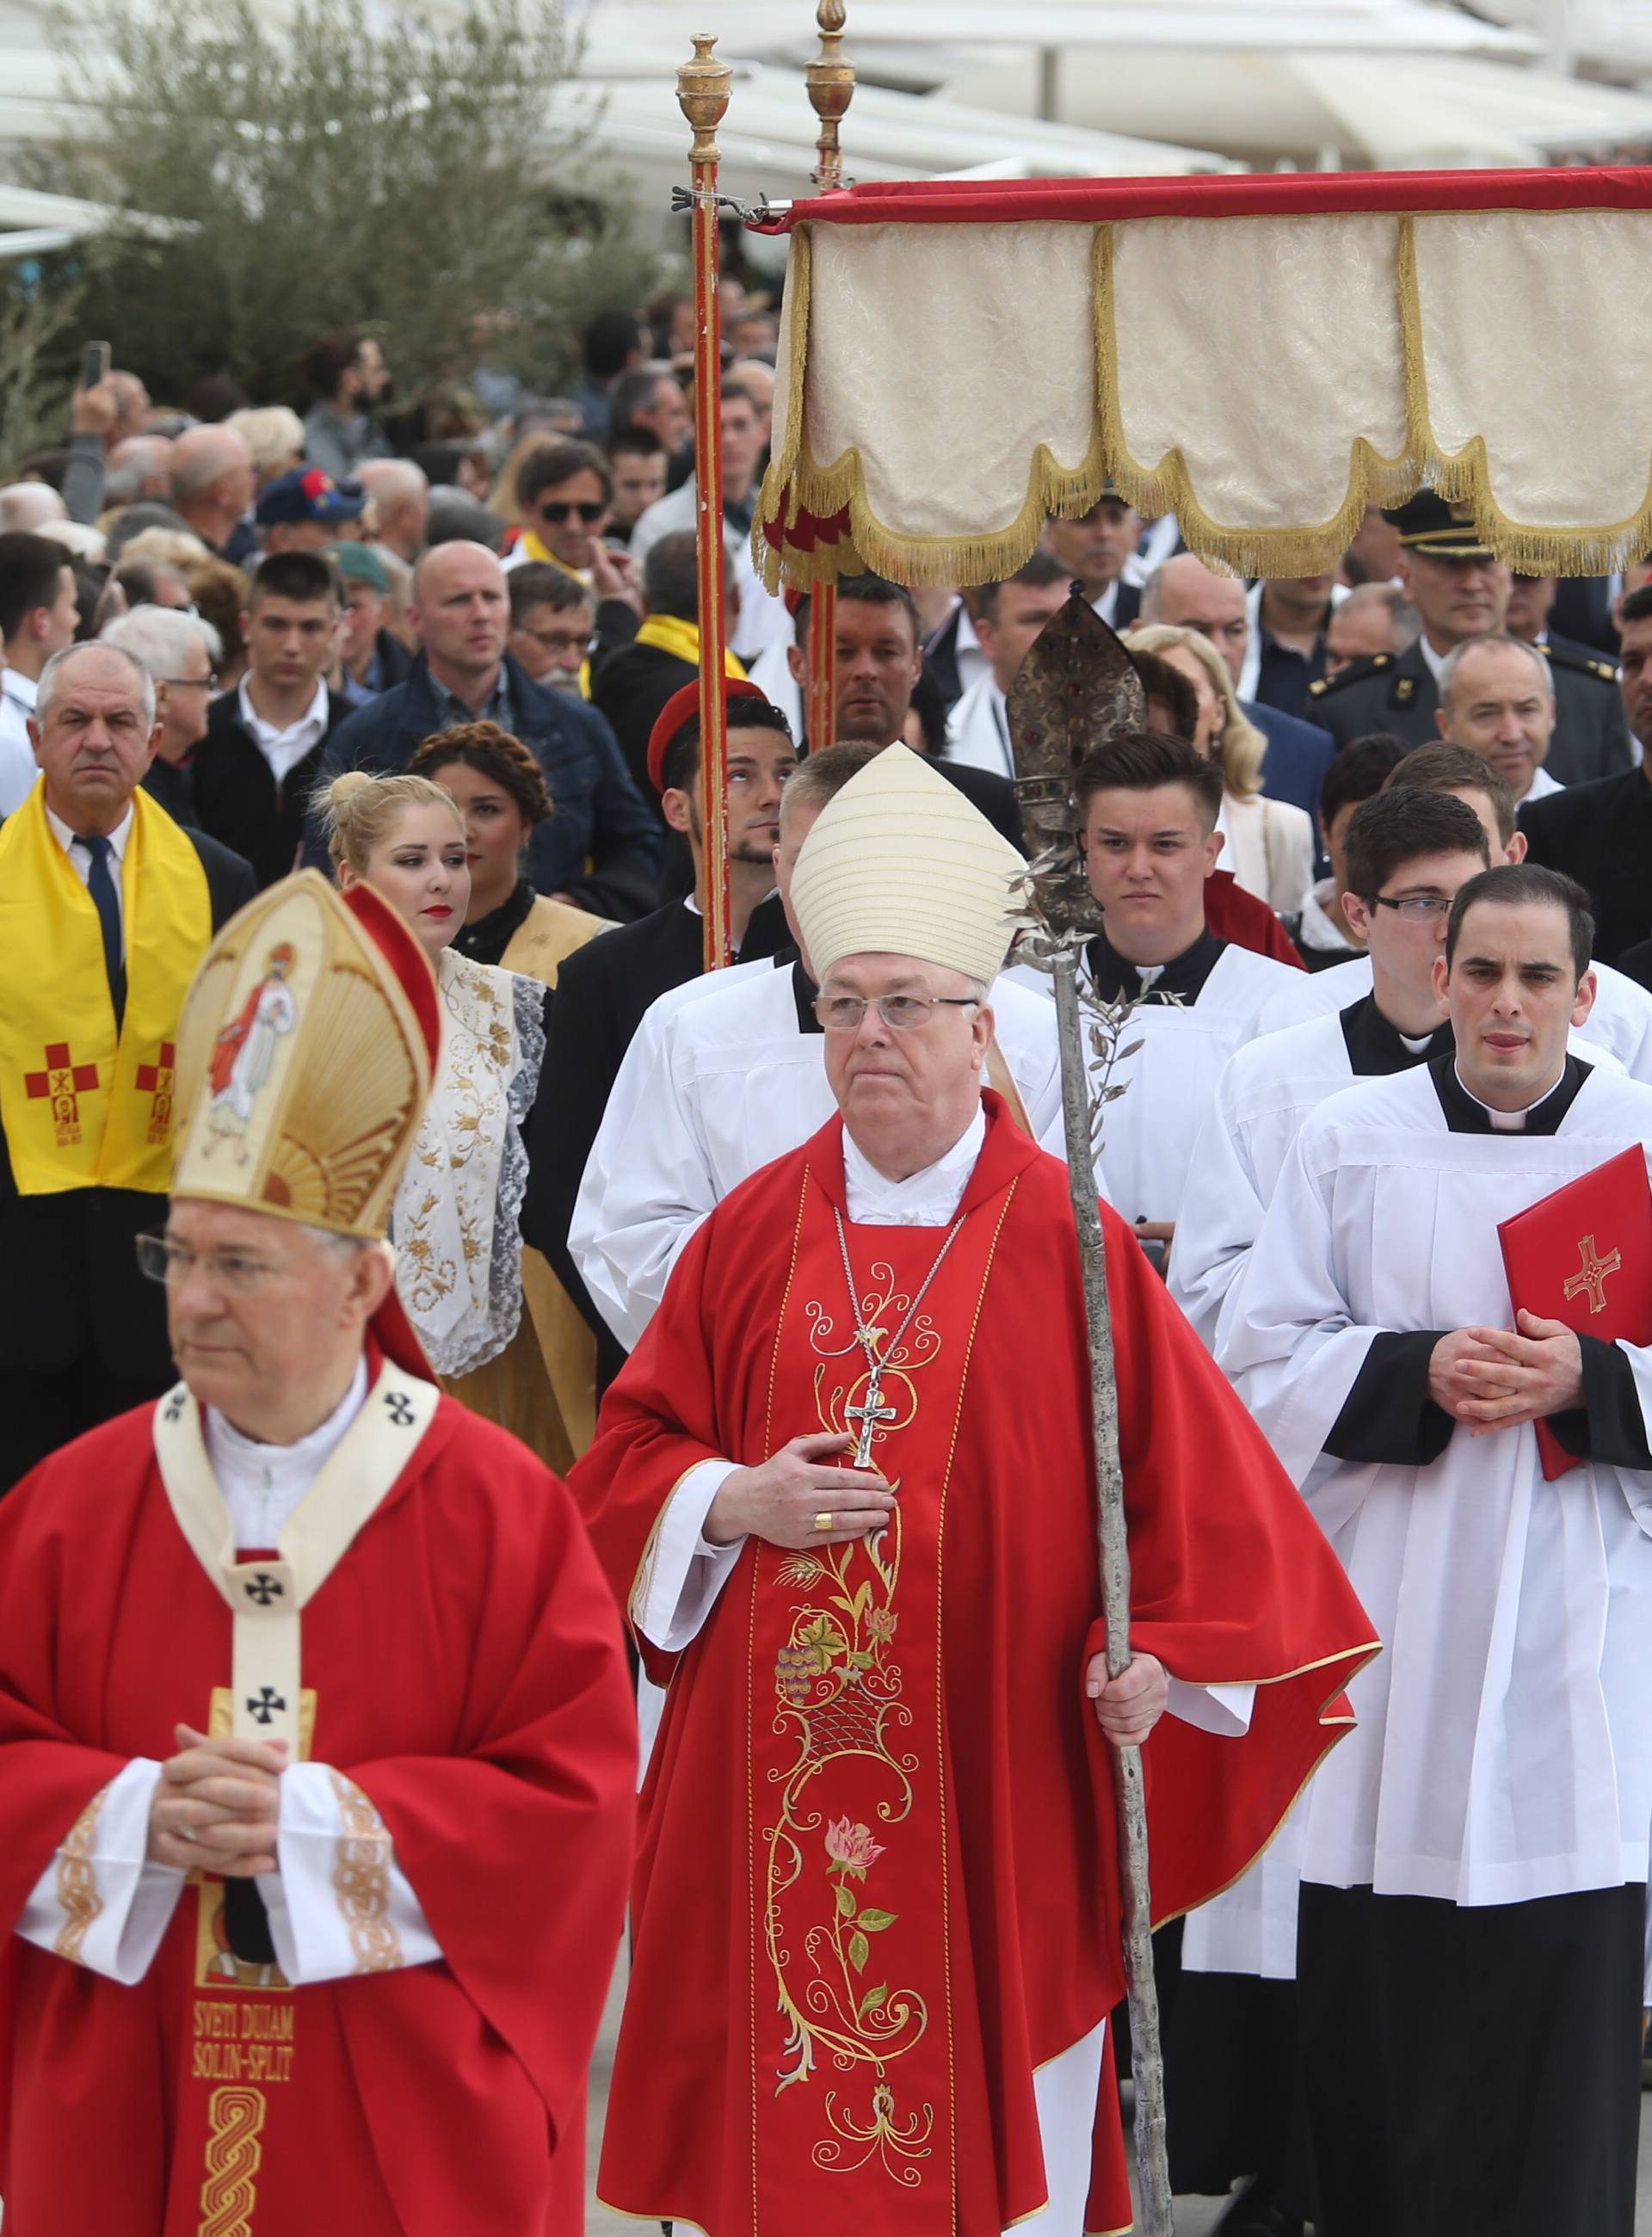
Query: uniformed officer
(1461,589)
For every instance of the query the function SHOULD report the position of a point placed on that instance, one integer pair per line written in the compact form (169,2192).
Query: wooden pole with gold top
(830,80)
(703,95)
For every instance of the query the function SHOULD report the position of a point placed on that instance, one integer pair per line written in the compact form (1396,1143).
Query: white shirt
(929,1199)
(80,855)
(1542,784)
(18,768)
(1435,661)
(284,749)
(262,1486)
(978,729)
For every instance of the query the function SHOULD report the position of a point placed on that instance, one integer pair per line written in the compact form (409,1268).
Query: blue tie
(101,886)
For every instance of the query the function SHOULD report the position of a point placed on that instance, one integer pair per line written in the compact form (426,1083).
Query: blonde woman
(1270,842)
(454,1225)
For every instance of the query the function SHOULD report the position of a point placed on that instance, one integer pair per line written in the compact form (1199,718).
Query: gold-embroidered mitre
(899,863)
(305,1055)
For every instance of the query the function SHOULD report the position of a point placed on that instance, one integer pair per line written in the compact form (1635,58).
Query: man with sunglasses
(565,492)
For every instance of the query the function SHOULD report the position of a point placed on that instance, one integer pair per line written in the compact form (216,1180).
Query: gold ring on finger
(824,1521)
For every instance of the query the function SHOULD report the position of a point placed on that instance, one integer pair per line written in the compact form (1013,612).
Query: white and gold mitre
(305,1055)
(899,863)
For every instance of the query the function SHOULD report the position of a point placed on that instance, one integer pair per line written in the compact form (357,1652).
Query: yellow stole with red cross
(82,1105)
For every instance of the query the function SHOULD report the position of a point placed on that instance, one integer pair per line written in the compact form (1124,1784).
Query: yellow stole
(669,633)
(83,1108)
(547,558)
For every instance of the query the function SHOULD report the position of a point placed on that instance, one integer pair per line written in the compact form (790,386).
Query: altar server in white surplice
(1474,1859)
(1408,853)
(1149,805)
(1621,1021)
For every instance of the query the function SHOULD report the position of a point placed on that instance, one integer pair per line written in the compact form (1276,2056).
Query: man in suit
(1461,589)
(601,848)
(259,762)
(1095,549)
(1185,594)
(106,908)
(631,683)
(1601,834)
(604,989)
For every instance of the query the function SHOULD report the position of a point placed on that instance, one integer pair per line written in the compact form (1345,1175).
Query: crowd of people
(352,881)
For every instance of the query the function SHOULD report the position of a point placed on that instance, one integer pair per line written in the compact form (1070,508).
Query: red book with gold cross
(1584,1255)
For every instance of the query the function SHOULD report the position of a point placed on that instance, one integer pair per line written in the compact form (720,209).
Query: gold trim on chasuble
(842,1697)
(234,2155)
(362,1881)
(76,1882)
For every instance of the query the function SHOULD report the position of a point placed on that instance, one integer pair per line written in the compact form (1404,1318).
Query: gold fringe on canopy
(804,494)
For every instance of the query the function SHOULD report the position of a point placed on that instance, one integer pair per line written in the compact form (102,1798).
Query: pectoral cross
(1590,1281)
(870,1415)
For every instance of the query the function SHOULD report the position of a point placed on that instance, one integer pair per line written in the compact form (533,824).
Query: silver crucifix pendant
(871,1413)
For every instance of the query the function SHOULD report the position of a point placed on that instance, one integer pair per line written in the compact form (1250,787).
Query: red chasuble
(878,1880)
(463,1665)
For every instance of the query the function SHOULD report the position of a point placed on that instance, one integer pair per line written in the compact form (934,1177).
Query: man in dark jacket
(257,765)
(601,848)
(106,907)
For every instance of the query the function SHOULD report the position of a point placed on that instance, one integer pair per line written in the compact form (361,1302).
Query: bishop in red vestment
(315,1745)
(878,1890)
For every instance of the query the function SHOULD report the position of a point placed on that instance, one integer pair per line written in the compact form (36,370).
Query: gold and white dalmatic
(455,1223)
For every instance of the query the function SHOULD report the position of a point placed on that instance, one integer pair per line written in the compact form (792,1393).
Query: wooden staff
(1077,687)
(703,95)
(830,80)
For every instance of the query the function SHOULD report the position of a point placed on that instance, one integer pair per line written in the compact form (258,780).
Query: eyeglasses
(558,512)
(206,682)
(1414,908)
(555,640)
(163,1260)
(903,1013)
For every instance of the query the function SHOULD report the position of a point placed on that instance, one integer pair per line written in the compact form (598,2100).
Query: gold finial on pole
(703,95)
(830,80)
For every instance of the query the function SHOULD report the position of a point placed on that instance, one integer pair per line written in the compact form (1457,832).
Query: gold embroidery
(921,1346)
(77,1882)
(234,2155)
(1591,1280)
(362,1881)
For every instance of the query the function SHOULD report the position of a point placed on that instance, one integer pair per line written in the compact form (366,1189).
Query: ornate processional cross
(1591,1280)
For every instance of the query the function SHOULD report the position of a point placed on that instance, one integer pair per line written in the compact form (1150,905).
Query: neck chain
(872,1413)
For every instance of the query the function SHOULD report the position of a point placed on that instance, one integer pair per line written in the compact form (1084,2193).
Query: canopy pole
(703,95)
(830,80)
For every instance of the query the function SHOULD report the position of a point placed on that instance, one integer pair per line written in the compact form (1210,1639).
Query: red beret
(683,707)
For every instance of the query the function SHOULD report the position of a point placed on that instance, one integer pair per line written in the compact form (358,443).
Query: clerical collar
(486,939)
(929,1199)
(804,991)
(1181,979)
(263,1484)
(1466,1114)
(1377,1048)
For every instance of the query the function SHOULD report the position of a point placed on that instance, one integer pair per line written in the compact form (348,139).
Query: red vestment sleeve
(544,1768)
(1231,1581)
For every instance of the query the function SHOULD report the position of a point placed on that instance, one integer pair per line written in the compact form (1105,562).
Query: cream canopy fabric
(1263,357)
(899,863)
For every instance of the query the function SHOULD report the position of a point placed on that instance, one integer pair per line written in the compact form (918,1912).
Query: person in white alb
(1149,805)
(726,1074)
(1474,1860)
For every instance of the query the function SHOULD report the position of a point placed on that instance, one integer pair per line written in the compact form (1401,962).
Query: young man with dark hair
(1008,617)
(1149,805)
(638,460)
(260,760)
(631,683)
(347,374)
(601,998)
(1321,929)
(1473,1860)
(1601,834)
(38,617)
(1620,1020)
(1407,853)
